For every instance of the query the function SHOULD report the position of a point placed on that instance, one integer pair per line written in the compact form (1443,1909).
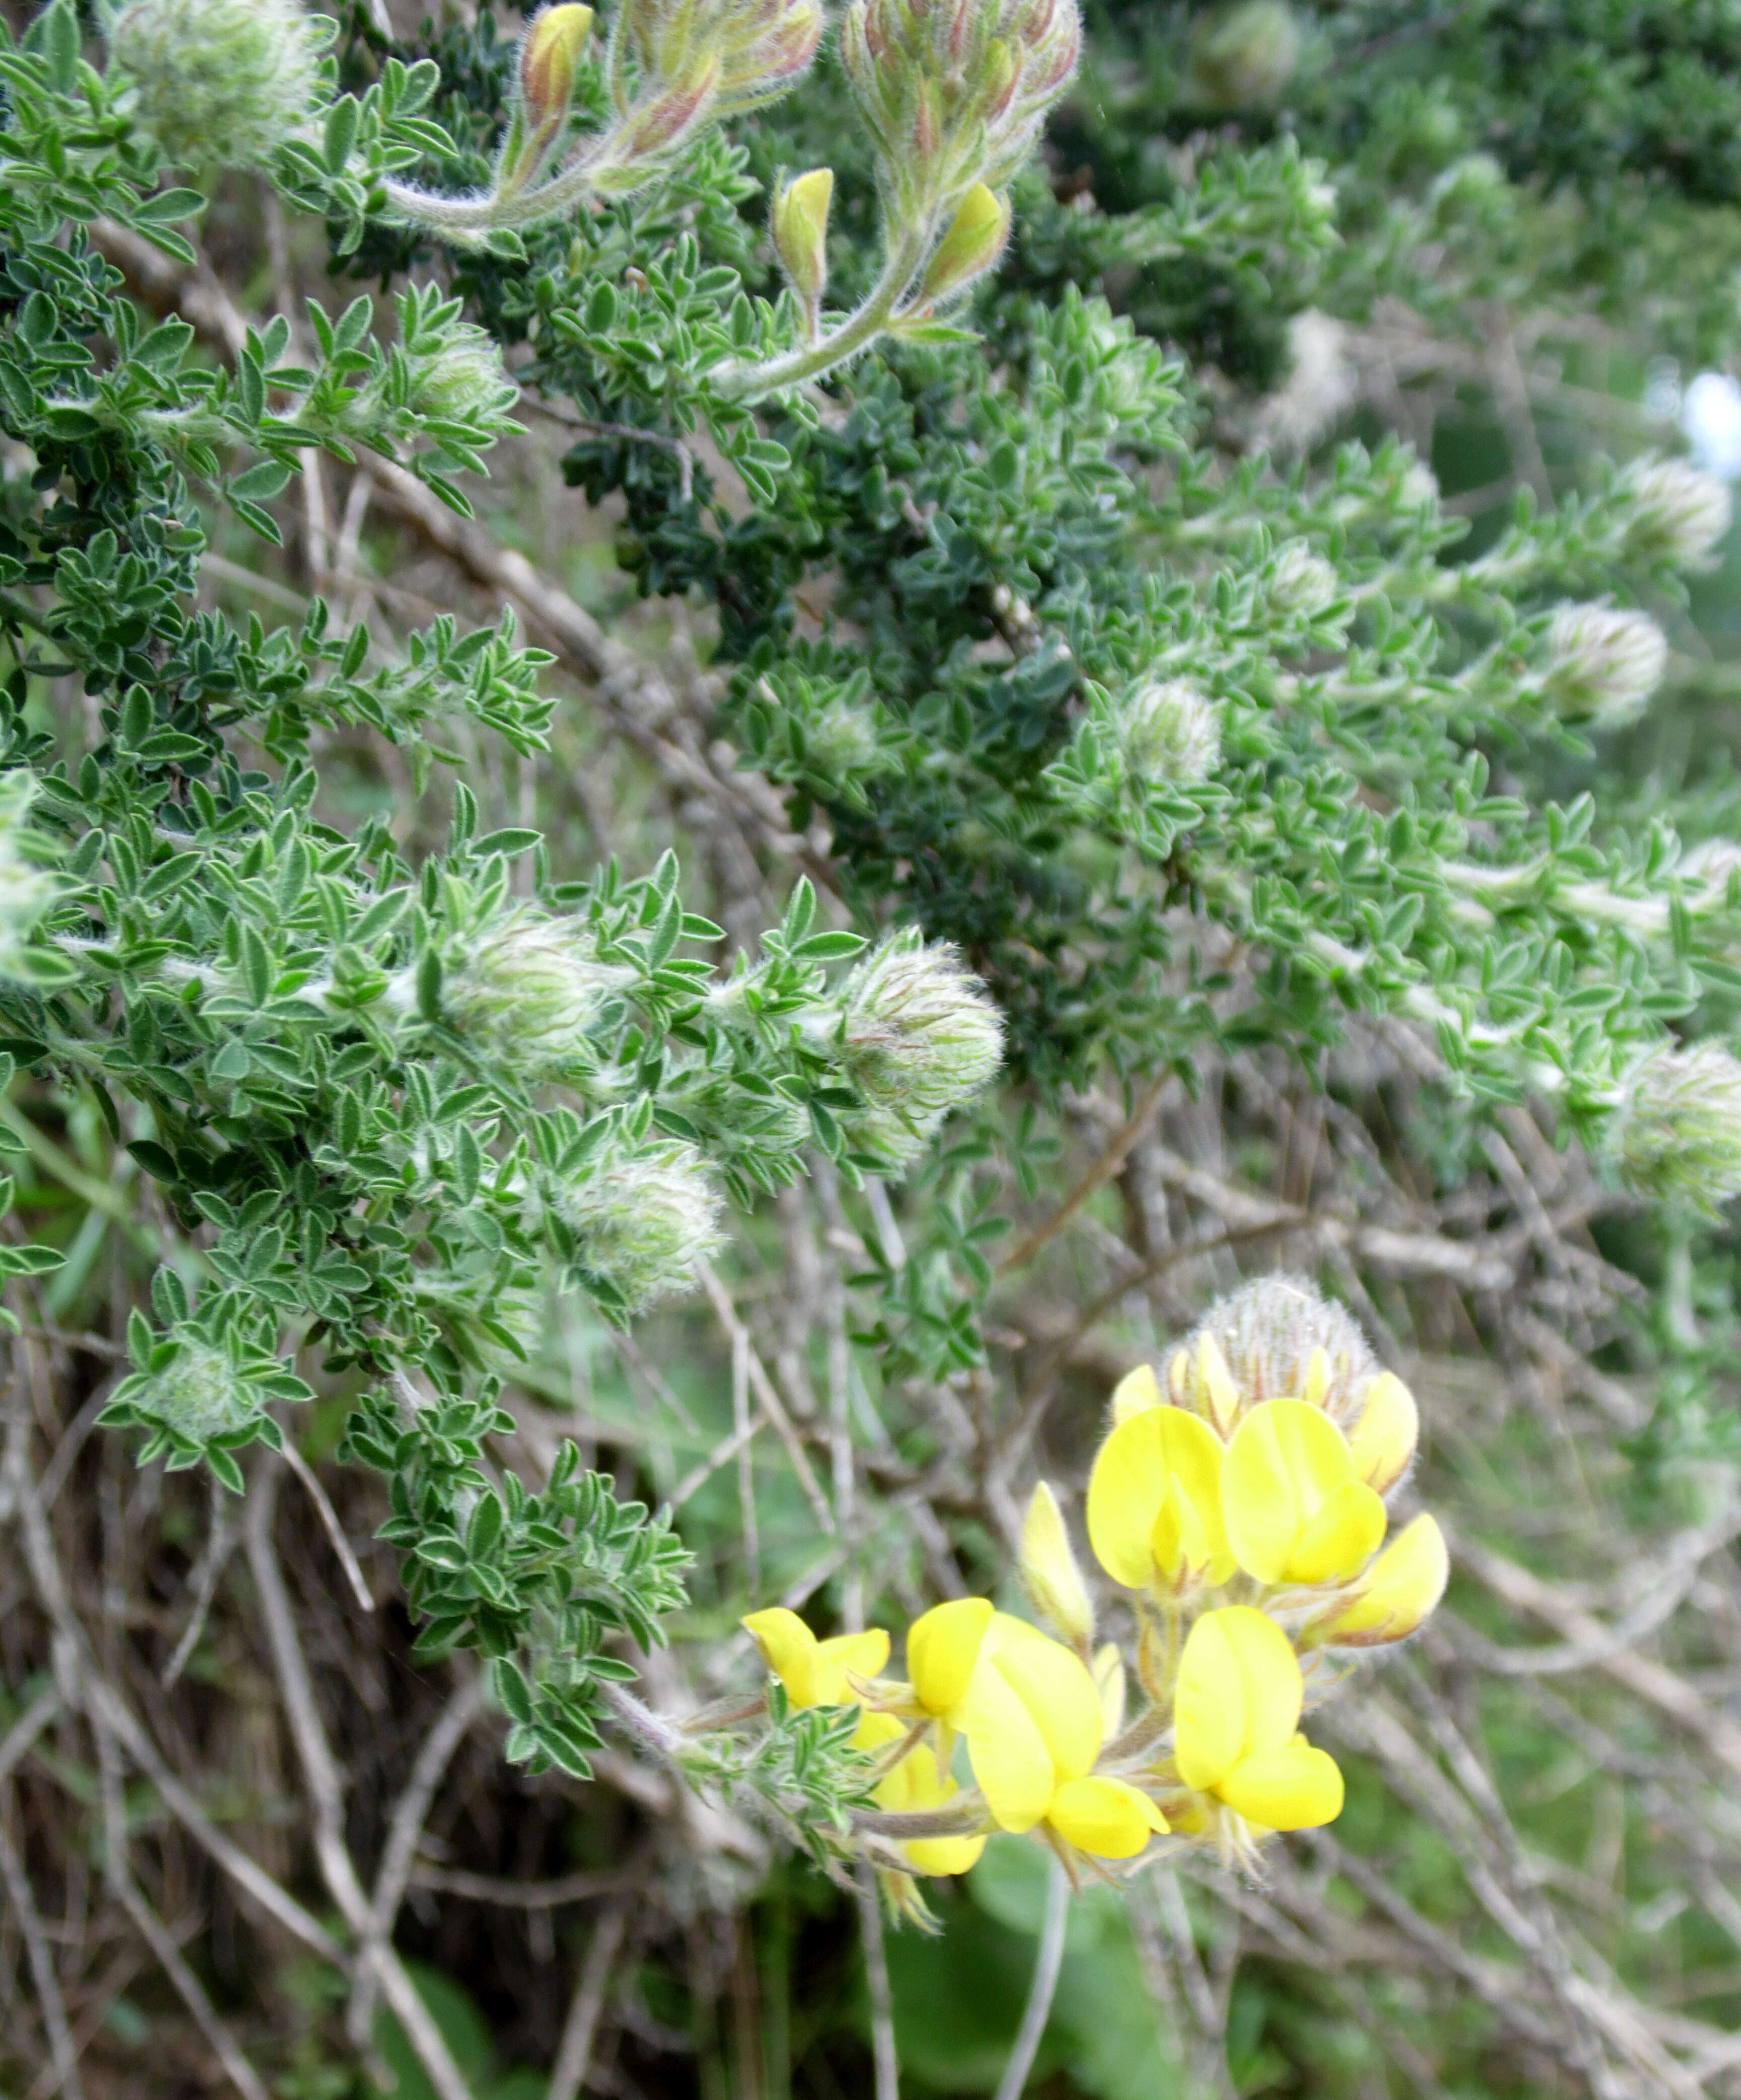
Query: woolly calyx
(639,1224)
(1677,1134)
(1243,57)
(1603,663)
(219,82)
(1679,512)
(198,1397)
(529,995)
(1166,730)
(1277,1337)
(1302,583)
(918,1037)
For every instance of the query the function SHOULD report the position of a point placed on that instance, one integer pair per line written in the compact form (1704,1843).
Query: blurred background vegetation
(1536,1884)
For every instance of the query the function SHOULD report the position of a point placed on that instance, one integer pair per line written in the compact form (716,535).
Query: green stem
(751,382)
(1045,1985)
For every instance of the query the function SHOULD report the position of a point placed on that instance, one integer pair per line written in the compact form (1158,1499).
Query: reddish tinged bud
(548,59)
(673,113)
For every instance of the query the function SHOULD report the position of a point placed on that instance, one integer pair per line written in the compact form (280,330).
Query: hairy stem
(1045,1983)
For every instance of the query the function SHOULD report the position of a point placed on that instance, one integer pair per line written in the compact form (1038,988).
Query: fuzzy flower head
(919,1037)
(1243,57)
(715,56)
(1678,1131)
(1677,513)
(954,91)
(1302,584)
(1166,730)
(636,1225)
(1604,663)
(220,83)
(530,995)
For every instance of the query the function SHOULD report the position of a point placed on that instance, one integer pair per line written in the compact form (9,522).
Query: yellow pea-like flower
(1155,1501)
(1294,1508)
(1235,1714)
(1383,1440)
(1401,1587)
(815,1672)
(1033,1722)
(918,1782)
(1049,1572)
(942,1647)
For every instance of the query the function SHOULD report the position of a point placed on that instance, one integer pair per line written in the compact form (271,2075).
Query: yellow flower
(943,1646)
(1155,1501)
(815,1672)
(1049,1572)
(1135,1391)
(1383,1441)
(918,1784)
(1294,1508)
(1235,1714)
(1402,1585)
(1207,1388)
(1033,1722)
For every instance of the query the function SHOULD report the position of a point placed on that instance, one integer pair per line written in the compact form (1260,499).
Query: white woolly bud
(463,380)
(220,83)
(1603,662)
(843,741)
(1278,1337)
(530,994)
(641,1223)
(1166,730)
(199,1397)
(1418,489)
(1678,512)
(918,1037)
(1302,583)
(1244,59)
(1678,1135)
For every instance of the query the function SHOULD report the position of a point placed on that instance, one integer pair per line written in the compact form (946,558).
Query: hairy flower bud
(800,233)
(1677,1134)
(549,60)
(1165,729)
(1049,1572)
(726,55)
(1678,513)
(26,890)
(954,91)
(200,1395)
(1278,1337)
(219,82)
(1243,57)
(1603,662)
(1302,583)
(639,1224)
(918,1037)
(975,240)
(530,995)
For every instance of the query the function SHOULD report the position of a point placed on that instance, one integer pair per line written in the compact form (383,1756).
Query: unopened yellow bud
(973,243)
(1316,1384)
(801,231)
(1217,1381)
(1049,1572)
(1402,1586)
(549,60)
(1383,1439)
(1135,1391)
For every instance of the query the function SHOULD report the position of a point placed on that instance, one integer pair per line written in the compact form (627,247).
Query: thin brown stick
(1103,1170)
(53,2007)
(574,2053)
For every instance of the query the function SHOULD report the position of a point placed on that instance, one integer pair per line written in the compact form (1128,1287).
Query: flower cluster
(219,83)
(1241,1510)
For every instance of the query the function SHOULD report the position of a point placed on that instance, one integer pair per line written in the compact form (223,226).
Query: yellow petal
(1338,1541)
(1104,1816)
(1129,1484)
(841,1659)
(1049,1572)
(1135,1391)
(1402,1585)
(1239,1693)
(1011,1762)
(942,1649)
(1294,1788)
(1316,1382)
(788,1647)
(1178,1544)
(1060,1695)
(1179,1378)
(1384,1438)
(1109,1672)
(1285,1461)
(943,1855)
(1219,1387)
